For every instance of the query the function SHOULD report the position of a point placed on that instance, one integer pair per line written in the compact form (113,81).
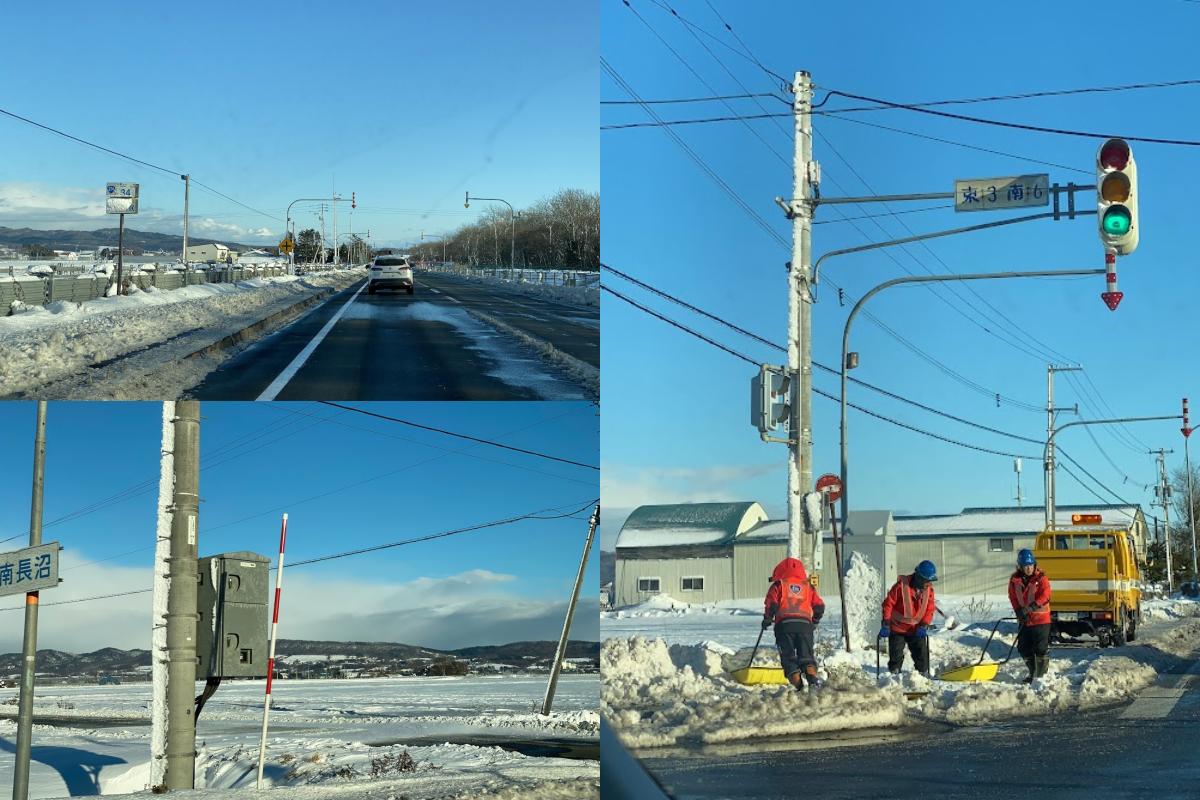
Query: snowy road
(1137,750)
(453,339)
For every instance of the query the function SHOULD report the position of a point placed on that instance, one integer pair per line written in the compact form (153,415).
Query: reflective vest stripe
(904,615)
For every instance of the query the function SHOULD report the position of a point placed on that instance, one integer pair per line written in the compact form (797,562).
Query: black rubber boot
(1031,665)
(1043,664)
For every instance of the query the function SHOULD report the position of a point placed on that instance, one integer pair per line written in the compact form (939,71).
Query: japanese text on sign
(30,569)
(988,194)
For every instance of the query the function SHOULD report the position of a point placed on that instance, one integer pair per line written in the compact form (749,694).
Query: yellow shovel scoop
(979,671)
(751,675)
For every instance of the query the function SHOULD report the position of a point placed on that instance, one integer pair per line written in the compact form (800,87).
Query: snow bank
(654,695)
(60,344)
(571,295)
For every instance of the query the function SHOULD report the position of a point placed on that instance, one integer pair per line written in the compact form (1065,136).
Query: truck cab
(1096,580)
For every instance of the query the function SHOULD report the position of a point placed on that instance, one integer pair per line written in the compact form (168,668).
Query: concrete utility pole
(335,250)
(29,645)
(187,185)
(158,627)
(1049,464)
(181,600)
(1163,492)
(805,175)
(562,640)
(1186,430)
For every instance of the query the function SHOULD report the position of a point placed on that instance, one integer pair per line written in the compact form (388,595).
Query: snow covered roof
(689,524)
(862,523)
(1011,521)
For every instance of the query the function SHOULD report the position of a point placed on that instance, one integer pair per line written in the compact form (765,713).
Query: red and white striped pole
(262,743)
(1111,298)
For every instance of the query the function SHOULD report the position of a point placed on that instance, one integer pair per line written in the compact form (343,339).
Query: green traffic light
(1117,221)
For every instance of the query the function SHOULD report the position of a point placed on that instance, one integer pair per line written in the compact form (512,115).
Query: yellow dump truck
(1096,581)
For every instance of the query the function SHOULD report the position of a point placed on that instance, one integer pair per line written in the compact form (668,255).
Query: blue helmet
(1025,558)
(927,570)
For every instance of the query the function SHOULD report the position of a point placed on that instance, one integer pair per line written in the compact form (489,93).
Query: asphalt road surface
(393,346)
(1145,749)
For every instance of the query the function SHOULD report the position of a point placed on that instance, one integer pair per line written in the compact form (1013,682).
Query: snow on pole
(158,627)
(262,743)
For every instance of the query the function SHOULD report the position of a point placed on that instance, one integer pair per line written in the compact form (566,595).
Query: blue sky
(409,105)
(676,413)
(260,459)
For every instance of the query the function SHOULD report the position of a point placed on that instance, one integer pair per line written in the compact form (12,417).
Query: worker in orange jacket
(795,608)
(1029,593)
(907,611)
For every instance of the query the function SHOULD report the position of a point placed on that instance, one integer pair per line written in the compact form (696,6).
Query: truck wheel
(1105,637)
(1131,628)
(1118,631)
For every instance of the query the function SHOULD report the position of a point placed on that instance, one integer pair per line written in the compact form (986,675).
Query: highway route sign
(121,198)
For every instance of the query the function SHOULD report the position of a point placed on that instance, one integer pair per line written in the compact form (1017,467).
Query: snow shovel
(980,672)
(752,675)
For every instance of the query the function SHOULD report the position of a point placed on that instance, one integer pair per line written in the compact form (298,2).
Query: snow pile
(339,768)
(1166,608)
(864,590)
(48,351)
(573,295)
(655,695)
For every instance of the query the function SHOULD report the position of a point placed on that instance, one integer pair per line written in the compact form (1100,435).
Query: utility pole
(1191,498)
(1017,469)
(1163,493)
(1049,465)
(335,248)
(181,599)
(29,644)
(805,175)
(158,627)
(187,185)
(562,640)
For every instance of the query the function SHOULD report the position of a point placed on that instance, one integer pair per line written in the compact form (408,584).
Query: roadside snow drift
(660,686)
(65,349)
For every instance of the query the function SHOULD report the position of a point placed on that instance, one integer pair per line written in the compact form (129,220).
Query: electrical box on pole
(231,636)
(769,406)
(1116,195)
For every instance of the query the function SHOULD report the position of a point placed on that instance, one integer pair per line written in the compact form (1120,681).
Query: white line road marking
(272,391)
(1157,702)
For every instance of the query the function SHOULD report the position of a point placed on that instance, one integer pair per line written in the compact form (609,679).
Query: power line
(1023,96)
(457,435)
(988,150)
(429,537)
(444,534)
(118,154)
(700,162)
(817,364)
(855,406)
(688,99)
(662,5)
(702,121)
(1018,125)
(890,214)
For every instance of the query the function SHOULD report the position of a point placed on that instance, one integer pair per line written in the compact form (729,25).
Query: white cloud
(43,207)
(471,608)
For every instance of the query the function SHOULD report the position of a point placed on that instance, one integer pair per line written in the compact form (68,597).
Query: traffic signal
(353,203)
(1116,195)
(769,407)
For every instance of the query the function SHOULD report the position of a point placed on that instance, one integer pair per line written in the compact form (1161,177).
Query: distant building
(710,552)
(217,253)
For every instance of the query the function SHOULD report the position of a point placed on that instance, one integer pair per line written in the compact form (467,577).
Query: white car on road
(390,272)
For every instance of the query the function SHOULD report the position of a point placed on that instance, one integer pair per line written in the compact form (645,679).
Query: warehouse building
(711,552)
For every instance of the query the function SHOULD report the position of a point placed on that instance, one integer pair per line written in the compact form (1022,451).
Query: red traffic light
(1115,154)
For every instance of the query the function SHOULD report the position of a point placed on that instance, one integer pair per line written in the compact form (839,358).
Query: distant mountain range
(377,655)
(106,237)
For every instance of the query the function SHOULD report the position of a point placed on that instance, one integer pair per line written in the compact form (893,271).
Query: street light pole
(907,280)
(512,222)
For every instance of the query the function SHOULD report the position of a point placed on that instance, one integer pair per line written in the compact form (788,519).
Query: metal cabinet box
(231,634)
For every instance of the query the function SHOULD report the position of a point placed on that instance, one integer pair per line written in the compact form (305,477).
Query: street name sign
(994,194)
(29,569)
(121,198)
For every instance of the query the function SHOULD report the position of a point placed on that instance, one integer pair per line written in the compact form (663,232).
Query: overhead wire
(975,386)
(533,515)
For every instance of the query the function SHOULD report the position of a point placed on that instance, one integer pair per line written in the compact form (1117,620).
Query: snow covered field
(364,738)
(665,668)
(54,351)
(575,295)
